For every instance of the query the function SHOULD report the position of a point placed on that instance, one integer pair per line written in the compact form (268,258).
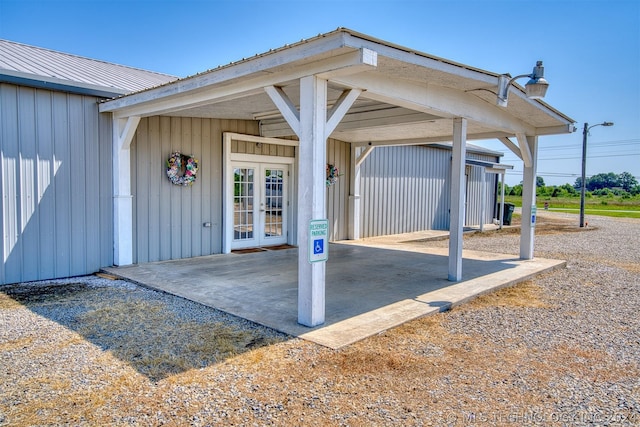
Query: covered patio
(370,286)
(367,93)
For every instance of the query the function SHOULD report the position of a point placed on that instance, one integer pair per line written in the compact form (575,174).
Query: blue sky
(590,49)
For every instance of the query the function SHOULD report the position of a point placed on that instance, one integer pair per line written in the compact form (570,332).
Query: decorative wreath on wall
(332,175)
(182,169)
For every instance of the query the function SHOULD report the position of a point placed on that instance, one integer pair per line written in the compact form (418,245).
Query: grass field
(602,206)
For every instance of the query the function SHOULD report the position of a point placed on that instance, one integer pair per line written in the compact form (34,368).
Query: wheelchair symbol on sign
(318,246)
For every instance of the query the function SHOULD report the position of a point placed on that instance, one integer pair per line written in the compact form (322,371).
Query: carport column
(123,131)
(456,219)
(311,196)
(354,195)
(528,227)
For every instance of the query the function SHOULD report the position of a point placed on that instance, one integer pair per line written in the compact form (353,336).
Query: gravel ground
(561,349)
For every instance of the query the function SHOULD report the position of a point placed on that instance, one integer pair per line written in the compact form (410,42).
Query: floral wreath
(332,175)
(175,167)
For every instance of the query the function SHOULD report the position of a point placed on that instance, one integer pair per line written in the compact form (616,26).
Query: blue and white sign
(534,212)
(318,240)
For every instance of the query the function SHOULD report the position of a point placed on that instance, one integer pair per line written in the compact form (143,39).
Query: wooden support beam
(353,230)
(312,128)
(123,133)
(511,146)
(364,154)
(456,223)
(286,107)
(311,196)
(340,108)
(528,224)
(525,150)
(436,100)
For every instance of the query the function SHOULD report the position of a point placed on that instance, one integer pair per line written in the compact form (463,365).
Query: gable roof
(406,97)
(39,67)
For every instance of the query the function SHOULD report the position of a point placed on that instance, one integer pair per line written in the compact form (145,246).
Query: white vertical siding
(168,219)
(56,185)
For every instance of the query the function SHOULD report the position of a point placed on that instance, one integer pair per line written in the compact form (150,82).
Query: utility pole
(583,188)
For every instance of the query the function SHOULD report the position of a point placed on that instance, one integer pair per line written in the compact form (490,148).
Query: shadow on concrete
(368,289)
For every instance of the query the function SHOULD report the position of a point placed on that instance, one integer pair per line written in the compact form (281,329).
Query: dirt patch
(545,224)
(140,327)
(525,294)
(29,294)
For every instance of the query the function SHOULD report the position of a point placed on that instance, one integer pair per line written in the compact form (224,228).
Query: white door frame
(227,181)
(259,209)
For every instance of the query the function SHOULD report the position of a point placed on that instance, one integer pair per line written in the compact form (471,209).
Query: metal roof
(40,67)
(407,97)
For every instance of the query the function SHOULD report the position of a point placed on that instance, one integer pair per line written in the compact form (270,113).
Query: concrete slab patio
(372,285)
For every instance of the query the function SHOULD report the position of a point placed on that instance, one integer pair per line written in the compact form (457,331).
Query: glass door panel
(274,201)
(243,203)
(260,205)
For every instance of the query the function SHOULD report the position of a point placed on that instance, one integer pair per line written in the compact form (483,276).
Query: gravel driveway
(561,349)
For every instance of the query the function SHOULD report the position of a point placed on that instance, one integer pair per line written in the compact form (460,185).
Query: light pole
(583,189)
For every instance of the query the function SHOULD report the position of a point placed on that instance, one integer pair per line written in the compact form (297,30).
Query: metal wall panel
(405,189)
(168,219)
(477,190)
(56,182)
(339,155)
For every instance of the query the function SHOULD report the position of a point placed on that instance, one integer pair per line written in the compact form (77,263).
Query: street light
(585,132)
(535,88)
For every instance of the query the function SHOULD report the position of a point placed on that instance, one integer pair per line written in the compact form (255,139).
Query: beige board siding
(338,154)
(169,219)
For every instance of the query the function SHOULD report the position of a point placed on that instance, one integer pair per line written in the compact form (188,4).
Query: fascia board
(314,51)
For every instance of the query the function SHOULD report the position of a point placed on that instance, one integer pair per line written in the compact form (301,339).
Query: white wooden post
(311,196)
(483,201)
(527,229)
(502,175)
(123,132)
(456,219)
(354,195)
(313,129)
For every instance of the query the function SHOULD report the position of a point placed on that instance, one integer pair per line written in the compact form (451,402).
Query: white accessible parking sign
(318,240)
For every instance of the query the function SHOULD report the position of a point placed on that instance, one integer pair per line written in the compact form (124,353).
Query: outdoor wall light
(536,87)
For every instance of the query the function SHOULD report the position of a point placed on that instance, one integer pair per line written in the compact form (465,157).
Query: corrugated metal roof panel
(21,60)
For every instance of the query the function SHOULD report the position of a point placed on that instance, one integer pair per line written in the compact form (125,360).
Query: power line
(510,159)
(556,174)
(595,157)
(613,142)
(591,145)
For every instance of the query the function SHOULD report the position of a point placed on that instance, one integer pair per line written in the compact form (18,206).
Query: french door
(260,204)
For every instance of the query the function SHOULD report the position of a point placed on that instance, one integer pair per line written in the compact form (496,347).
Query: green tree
(627,181)
(602,180)
(569,189)
(516,190)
